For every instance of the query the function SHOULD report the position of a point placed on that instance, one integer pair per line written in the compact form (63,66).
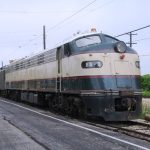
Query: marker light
(122,56)
(93,30)
(137,64)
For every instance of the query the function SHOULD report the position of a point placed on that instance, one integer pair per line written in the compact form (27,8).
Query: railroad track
(135,128)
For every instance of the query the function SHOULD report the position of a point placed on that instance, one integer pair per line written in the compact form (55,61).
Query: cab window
(110,39)
(88,40)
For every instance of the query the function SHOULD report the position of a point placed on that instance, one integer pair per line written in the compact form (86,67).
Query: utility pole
(44,38)
(2,65)
(131,43)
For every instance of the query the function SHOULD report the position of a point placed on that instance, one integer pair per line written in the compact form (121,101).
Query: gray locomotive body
(91,75)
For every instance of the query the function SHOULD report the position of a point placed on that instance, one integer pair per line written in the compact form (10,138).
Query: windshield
(88,40)
(110,39)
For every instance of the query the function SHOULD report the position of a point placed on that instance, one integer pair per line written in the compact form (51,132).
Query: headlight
(120,47)
(137,64)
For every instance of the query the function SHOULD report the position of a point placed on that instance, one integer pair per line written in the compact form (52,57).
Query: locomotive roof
(76,36)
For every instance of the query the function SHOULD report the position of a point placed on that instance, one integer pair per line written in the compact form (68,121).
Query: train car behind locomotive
(91,75)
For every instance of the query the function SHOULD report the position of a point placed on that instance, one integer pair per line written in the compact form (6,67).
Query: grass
(145,107)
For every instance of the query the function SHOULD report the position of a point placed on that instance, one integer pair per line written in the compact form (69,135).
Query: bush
(146,93)
(145,82)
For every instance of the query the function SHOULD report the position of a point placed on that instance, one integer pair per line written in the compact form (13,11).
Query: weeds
(145,110)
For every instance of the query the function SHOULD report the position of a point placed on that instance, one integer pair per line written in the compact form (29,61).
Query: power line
(107,3)
(74,14)
(67,18)
(133,30)
(77,12)
(93,10)
(35,12)
(148,38)
(144,55)
(61,11)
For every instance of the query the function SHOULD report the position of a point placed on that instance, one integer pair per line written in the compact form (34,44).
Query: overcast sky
(21,23)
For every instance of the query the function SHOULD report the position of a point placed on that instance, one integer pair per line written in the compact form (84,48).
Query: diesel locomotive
(92,74)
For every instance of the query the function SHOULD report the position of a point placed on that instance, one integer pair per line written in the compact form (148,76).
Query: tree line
(145,85)
(145,82)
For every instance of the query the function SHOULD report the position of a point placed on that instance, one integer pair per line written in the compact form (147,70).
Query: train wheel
(41,100)
(54,104)
(81,107)
(49,104)
(74,107)
(71,109)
